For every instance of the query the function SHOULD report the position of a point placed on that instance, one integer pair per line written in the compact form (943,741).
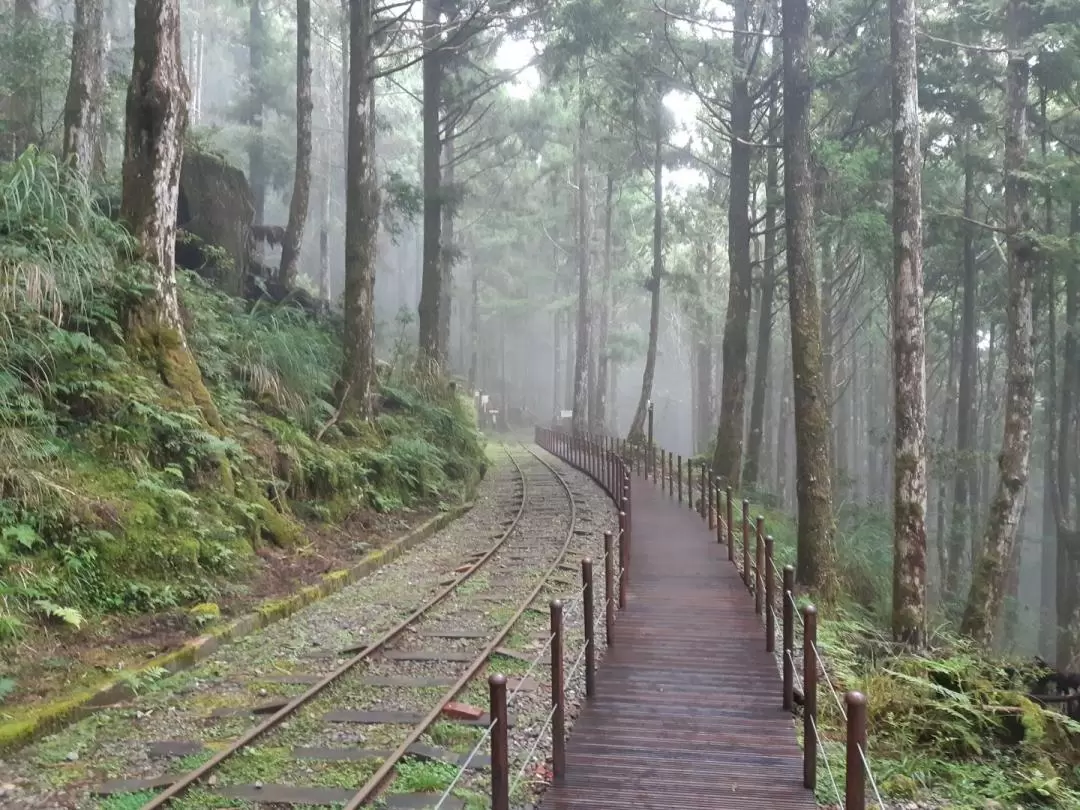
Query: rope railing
(773,591)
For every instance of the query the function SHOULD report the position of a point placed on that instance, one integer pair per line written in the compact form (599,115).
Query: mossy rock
(279,529)
(204,613)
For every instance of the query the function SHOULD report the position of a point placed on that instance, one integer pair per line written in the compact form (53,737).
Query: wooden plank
(133,785)
(174,748)
(407,681)
(421,801)
(429,655)
(453,634)
(286,794)
(340,754)
(373,718)
(431,753)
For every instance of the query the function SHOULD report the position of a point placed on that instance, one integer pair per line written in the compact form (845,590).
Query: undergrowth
(114,495)
(953,725)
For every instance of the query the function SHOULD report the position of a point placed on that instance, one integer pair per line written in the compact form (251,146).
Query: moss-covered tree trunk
(153,151)
(814,562)
(86,86)
(988,583)
(909,351)
(301,194)
(361,218)
(728,455)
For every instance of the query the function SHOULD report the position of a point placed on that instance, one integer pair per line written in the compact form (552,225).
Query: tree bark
(298,205)
(156,116)
(1064,489)
(432,355)
(909,347)
(86,87)
(988,580)
(728,455)
(752,470)
(603,360)
(361,219)
(324,231)
(256,148)
(814,558)
(637,427)
(446,249)
(579,420)
(965,483)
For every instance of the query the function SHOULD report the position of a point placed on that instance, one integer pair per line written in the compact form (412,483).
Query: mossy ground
(126,496)
(952,725)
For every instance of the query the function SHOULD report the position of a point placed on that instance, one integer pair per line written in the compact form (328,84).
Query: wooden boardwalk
(687,710)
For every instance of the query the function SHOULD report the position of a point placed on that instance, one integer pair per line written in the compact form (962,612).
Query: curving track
(524,558)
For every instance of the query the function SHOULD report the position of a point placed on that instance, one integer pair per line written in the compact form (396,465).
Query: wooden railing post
(609,588)
(770,597)
(730,527)
(855,785)
(809,697)
(788,613)
(746,542)
(500,745)
(759,561)
(590,626)
(558,694)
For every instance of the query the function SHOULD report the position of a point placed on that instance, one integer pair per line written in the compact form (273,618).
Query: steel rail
(187,780)
(378,780)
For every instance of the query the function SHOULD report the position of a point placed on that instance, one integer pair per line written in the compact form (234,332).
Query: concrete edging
(59,712)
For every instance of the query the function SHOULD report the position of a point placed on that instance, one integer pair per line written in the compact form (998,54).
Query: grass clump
(116,495)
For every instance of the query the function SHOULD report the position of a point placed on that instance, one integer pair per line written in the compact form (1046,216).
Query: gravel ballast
(210,705)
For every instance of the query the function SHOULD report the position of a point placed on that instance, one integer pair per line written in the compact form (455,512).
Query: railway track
(393,690)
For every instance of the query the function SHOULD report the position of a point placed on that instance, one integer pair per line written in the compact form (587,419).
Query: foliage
(114,494)
(953,724)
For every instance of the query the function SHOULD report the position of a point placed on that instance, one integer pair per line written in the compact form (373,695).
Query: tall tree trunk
(24,105)
(728,455)
(965,481)
(1048,539)
(257,170)
(752,470)
(909,342)
(474,328)
(153,152)
(1065,483)
(446,248)
(581,355)
(603,359)
(946,415)
(361,218)
(432,355)
(988,579)
(703,383)
(298,205)
(86,86)
(637,427)
(814,563)
(324,230)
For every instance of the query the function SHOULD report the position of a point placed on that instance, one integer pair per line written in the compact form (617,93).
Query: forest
(258,260)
